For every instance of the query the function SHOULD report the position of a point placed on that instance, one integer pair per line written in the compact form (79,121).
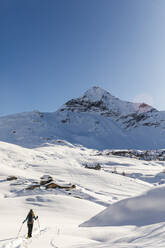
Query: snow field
(61,213)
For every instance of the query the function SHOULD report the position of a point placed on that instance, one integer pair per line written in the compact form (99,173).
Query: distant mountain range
(95,120)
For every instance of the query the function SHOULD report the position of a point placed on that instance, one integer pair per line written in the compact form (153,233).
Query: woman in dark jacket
(30,220)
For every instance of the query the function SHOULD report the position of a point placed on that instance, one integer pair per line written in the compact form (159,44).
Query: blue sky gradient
(54,50)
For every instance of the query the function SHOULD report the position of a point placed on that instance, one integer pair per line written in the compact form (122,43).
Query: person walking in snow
(30,220)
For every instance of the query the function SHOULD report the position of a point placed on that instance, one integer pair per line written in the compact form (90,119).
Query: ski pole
(20,230)
(39,225)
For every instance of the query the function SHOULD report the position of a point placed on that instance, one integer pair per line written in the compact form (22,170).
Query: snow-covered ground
(121,205)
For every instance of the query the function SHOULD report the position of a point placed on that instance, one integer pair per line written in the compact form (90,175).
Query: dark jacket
(30,217)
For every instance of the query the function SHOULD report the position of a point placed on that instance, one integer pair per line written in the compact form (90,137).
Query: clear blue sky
(54,50)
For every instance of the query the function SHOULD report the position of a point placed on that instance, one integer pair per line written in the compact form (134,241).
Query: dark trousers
(30,228)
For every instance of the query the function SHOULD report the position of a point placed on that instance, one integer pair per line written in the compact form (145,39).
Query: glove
(36,218)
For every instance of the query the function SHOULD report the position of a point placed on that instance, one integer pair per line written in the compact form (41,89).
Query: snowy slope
(143,210)
(61,212)
(96,120)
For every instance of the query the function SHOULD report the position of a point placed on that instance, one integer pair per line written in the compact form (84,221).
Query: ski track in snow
(21,242)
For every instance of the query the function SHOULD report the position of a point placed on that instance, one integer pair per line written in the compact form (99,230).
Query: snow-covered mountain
(96,120)
(99,100)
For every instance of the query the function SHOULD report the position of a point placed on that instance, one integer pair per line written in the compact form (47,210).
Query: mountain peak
(99,100)
(96,94)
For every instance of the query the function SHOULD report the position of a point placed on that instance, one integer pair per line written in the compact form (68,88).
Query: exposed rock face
(10,178)
(147,155)
(84,106)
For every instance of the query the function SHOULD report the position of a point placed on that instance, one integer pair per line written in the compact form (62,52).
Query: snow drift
(143,210)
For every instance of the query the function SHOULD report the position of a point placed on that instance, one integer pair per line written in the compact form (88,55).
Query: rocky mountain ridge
(99,100)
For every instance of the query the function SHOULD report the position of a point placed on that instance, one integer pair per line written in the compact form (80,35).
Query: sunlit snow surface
(104,210)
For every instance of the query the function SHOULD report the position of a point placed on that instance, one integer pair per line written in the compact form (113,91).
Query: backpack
(30,218)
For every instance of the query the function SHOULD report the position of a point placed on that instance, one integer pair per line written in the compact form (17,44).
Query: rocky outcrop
(94,167)
(10,178)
